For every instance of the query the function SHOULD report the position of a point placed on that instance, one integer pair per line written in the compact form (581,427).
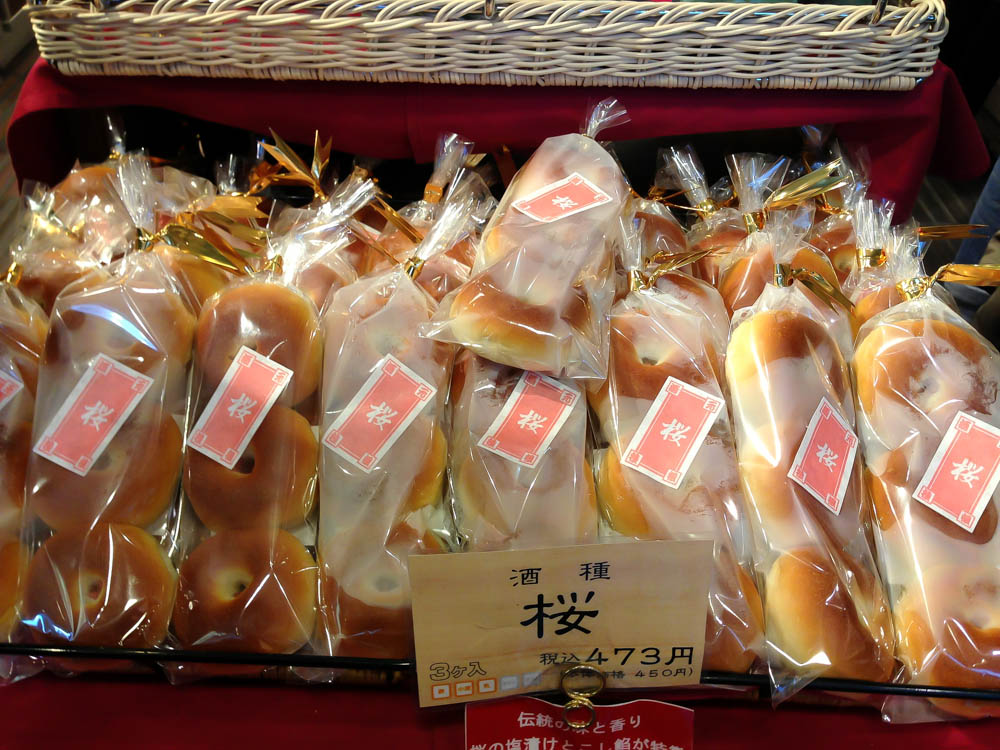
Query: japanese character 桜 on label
(825,457)
(244,397)
(388,402)
(964,472)
(92,414)
(530,419)
(9,387)
(672,431)
(533,724)
(570,195)
(634,610)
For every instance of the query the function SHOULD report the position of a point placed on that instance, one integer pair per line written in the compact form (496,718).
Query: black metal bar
(208,657)
(725,679)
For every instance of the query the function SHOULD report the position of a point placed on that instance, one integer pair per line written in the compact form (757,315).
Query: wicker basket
(524,42)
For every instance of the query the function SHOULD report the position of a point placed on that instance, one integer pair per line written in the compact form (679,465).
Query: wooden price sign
(495,624)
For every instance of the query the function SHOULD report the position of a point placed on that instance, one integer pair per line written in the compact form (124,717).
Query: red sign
(530,419)
(964,472)
(826,456)
(9,387)
(672,431)
(92,414)
(244,397)
(379,413)
(566,197)
(533,724)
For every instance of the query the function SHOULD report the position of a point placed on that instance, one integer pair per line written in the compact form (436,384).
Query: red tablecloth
(906,133)
(48,712)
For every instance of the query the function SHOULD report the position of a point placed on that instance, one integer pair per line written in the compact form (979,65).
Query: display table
(906,133)
(48,712)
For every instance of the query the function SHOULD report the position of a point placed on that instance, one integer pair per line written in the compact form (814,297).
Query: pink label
(964,472)
(9,387)
(534,724)
(672,431)
(388,402)
(530,419)
(92,414)
(244,397)
(566,197)
(826,456)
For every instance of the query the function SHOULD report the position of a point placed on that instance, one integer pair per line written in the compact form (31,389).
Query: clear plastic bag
(103,476)
(542,283)
(918,366)
(452,151)
(750,266)
(23,326)
(833,231)
(154,199)
(384,452)
(247,578)
(656,336)
(824,606)
(501,503)
(50,251)
(719,229)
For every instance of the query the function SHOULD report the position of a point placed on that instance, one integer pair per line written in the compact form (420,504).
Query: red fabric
(48,712)
(905,132)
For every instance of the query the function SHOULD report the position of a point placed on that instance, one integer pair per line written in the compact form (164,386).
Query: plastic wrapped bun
(385,450)
(103,475)
(22,335)
(542,283)
(655,337)
(918,367)
(718,229)
(825,611)
(500,502)
(247,580)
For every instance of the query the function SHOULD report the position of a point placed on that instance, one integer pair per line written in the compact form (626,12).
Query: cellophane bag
(385,450)
(23,326)
(103,473)
(445,271)
(833,232)
(718,229)
(825,610)
(886,256)
(542,284)
(451,153)
(154,199)
(520,475)
(928,418)
(666,476)
(247,574)
(50,251)
(750,266)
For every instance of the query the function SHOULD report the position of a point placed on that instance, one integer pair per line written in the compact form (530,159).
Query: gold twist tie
(874,257)
(808,186)
(296,172)
(433,193)
(958,273)
(754,221)
(953,232)
(581,683)
(13,272)
(785,275)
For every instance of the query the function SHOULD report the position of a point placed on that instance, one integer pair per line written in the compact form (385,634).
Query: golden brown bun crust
(810,611)
(132,481)
(268,318)
(774,334)
(509,330)
(251,590)
(68,587)
(273,483)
